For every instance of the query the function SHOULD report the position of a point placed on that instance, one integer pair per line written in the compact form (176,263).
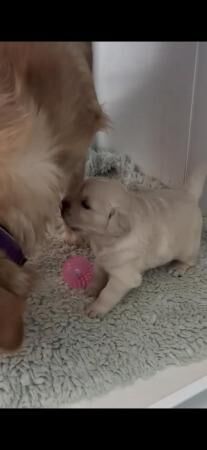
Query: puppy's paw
(178,269)
(96,309)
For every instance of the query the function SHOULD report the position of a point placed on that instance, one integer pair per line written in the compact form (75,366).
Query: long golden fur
(49,115)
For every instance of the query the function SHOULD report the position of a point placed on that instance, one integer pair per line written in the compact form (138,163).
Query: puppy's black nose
(65,206)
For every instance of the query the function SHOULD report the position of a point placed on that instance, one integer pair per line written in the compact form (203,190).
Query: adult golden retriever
(49,115)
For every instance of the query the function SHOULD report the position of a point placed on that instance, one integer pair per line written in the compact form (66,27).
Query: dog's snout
(65,207)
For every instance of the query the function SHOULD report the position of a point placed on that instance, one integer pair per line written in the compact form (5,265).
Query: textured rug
(67,357)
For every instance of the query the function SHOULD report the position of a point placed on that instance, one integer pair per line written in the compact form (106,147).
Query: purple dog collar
(11,247)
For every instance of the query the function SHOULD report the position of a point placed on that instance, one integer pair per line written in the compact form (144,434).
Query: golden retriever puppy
(49,114)
(131,232)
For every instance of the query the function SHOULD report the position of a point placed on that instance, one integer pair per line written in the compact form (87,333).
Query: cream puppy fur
(131,232)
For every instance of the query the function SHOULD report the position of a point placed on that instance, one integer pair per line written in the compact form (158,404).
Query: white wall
(198,141)
(147,90)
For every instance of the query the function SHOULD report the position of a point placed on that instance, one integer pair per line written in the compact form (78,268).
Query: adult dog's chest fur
(32,183)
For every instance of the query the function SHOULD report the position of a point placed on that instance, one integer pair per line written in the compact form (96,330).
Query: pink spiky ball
(77,272)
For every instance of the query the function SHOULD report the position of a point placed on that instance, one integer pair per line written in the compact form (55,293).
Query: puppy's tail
(195,182)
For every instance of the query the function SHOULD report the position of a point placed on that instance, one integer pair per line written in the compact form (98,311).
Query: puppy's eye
(85,204)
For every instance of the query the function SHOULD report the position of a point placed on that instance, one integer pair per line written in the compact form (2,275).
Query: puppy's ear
(118,223)
(11,320)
